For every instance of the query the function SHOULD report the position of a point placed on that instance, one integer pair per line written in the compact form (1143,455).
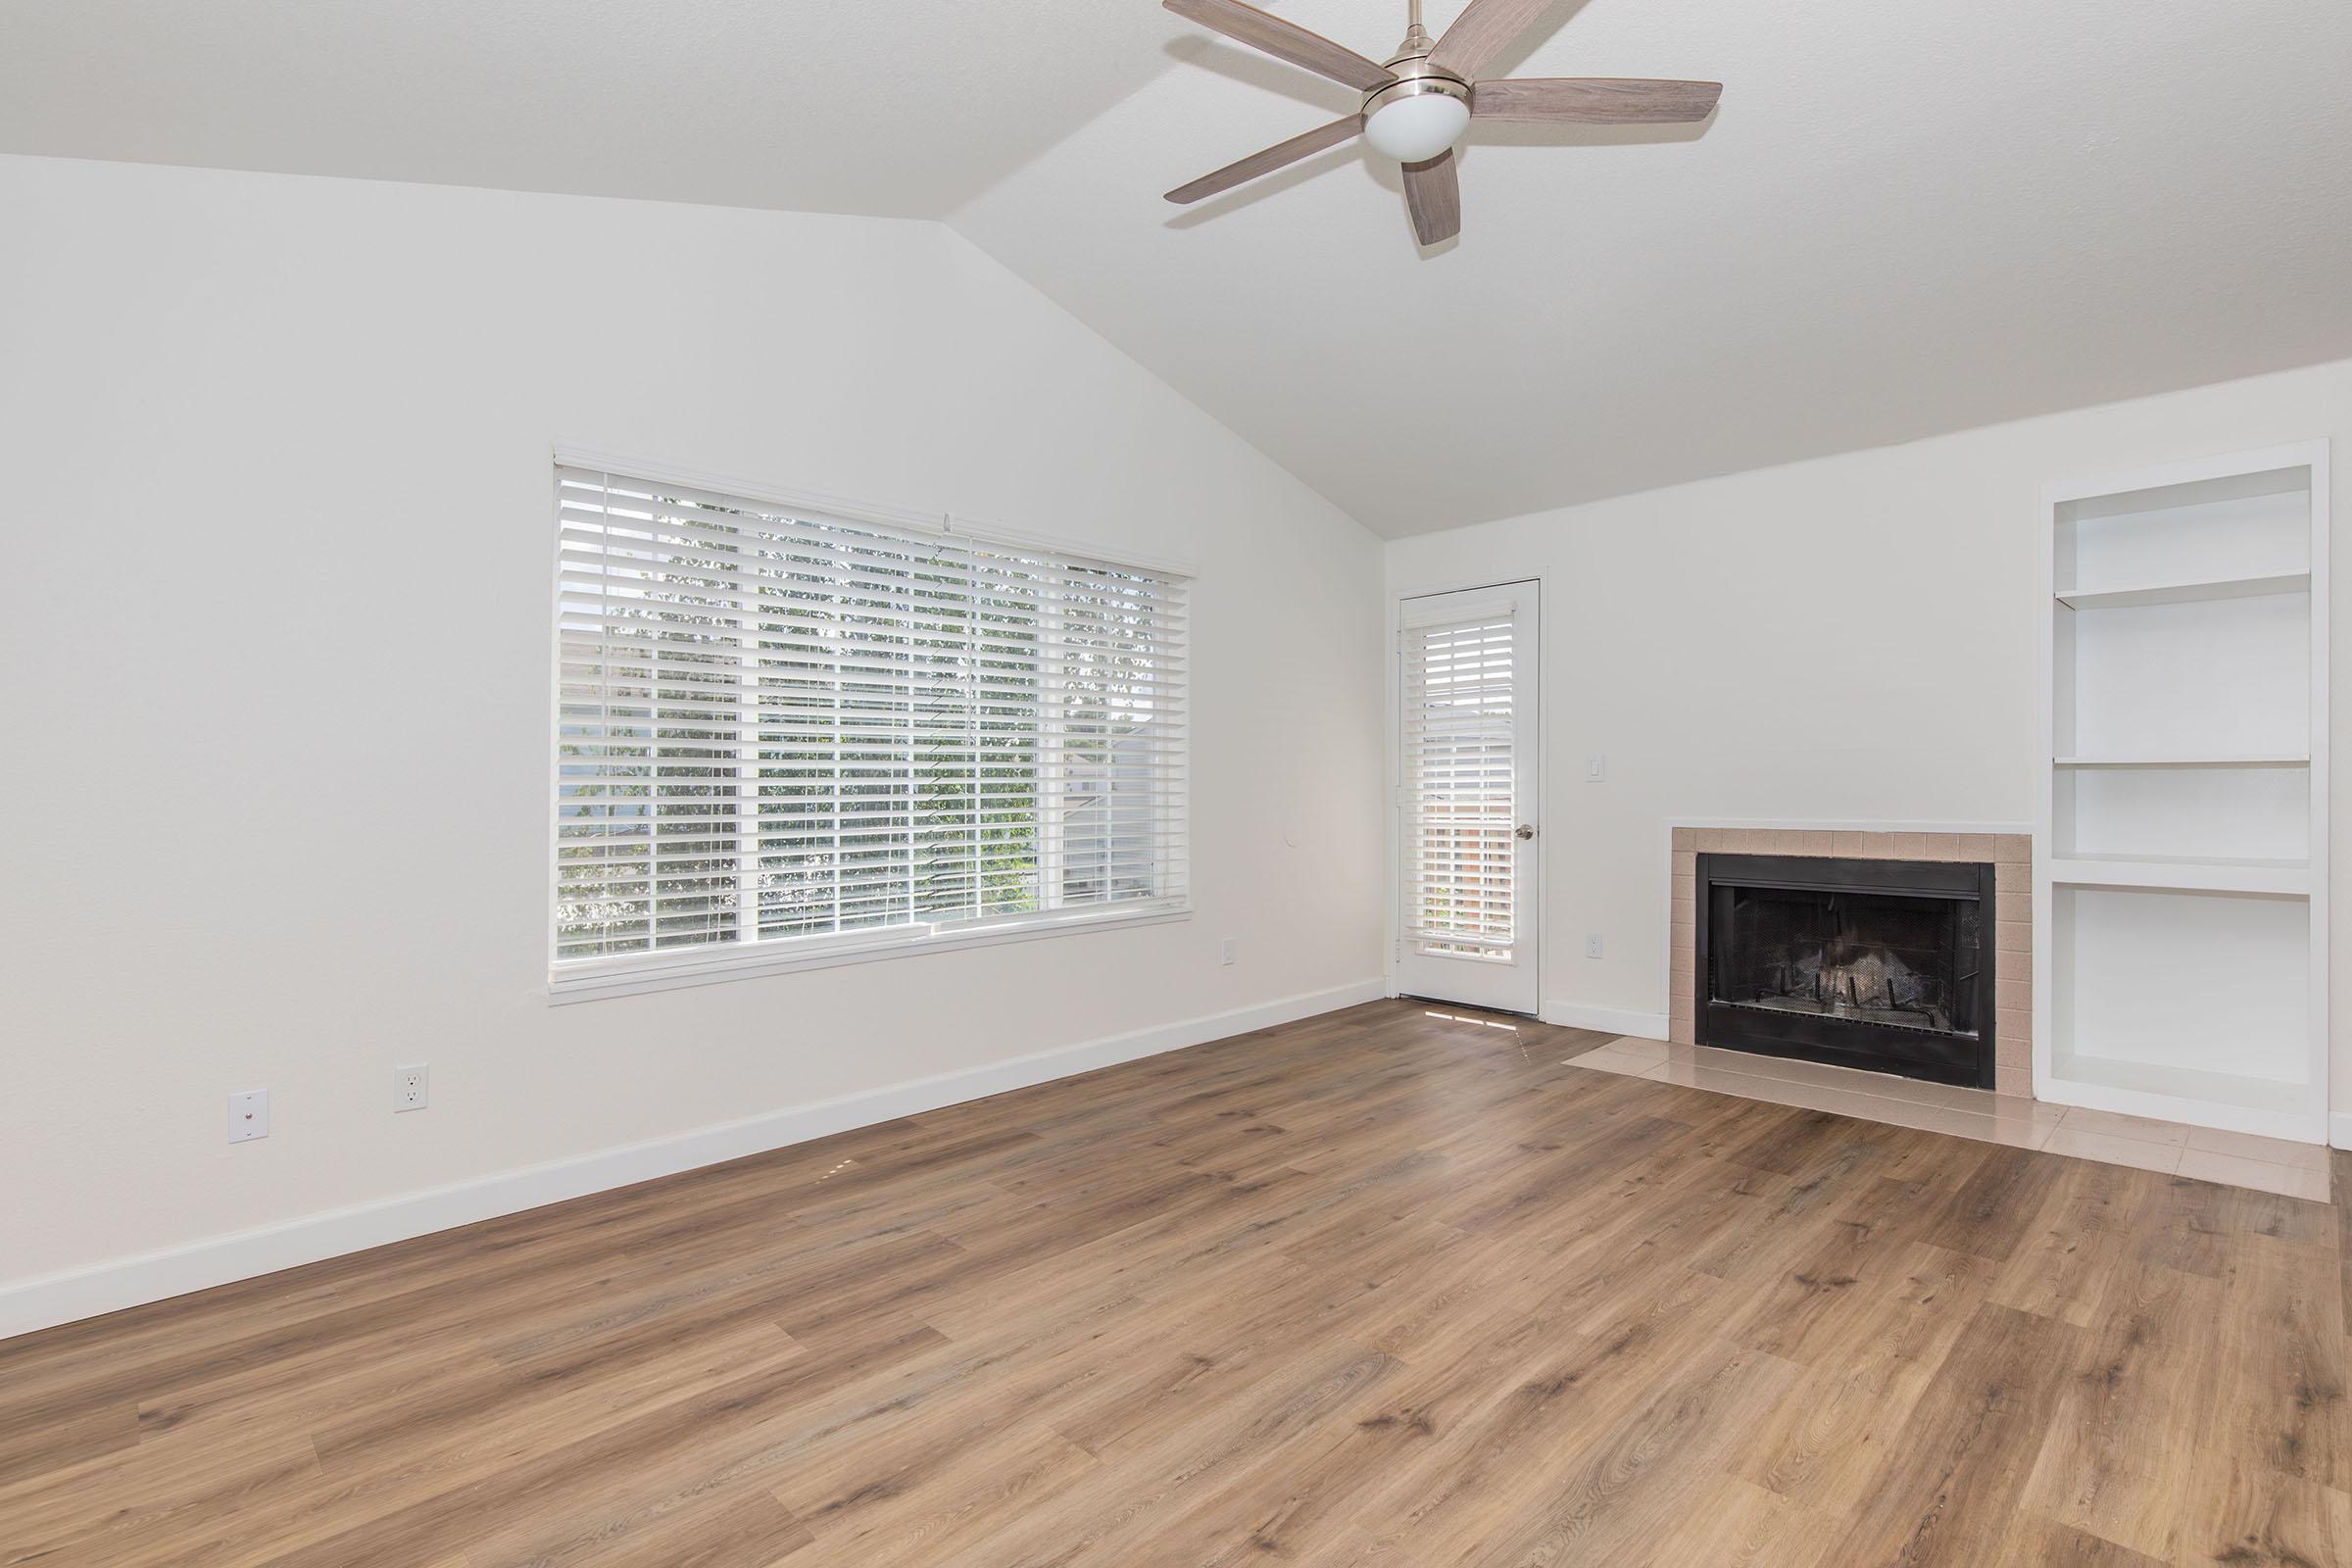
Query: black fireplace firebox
(1881,964)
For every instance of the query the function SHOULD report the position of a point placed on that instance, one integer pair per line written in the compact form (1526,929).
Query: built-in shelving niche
(2180,927)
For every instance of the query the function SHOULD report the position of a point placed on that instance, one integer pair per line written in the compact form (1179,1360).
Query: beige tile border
(2011,929)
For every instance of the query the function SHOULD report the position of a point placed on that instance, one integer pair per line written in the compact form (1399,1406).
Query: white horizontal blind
(775,727)
(1459,784)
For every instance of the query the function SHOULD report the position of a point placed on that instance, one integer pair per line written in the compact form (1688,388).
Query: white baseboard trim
(2339,1129)
(1848,824)
(1608,1020)
(64,1297)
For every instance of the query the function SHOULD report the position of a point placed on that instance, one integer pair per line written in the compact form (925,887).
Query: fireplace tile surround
(2009,854)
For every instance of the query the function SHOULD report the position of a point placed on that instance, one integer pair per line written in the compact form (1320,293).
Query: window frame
(623,975)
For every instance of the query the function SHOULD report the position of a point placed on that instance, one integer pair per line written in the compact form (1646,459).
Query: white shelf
(2218,814)
(2180,958)
(2181,592)
(2119,760)
(2185,873)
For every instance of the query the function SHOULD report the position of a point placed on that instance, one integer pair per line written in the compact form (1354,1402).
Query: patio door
(1468,857)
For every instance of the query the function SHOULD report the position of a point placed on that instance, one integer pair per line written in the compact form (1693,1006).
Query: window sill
(588,979)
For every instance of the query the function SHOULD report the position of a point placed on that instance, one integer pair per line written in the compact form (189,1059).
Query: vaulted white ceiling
(1908,215)
(896,108)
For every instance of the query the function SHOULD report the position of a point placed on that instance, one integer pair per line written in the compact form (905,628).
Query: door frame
(1391,727)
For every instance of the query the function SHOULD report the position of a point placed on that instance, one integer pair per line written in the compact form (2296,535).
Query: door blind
(777,727)
(1460,782)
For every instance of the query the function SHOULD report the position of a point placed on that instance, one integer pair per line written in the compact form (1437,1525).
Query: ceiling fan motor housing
(1434,81)
(1416,77)
(1414,74)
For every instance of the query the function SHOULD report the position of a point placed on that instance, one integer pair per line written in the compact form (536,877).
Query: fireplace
(1885,965)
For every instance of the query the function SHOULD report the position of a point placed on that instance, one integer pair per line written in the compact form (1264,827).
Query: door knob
(1525,832)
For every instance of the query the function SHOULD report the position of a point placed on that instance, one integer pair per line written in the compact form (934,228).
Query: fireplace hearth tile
(2113,1124)
(1606,1060)
(1635,1048)
(2249,1145)
(1632,1056)
(2112,1150)
(2231,1171)
(1972,1113)
(2295,1170)
(2015,1134)
(1881,1085)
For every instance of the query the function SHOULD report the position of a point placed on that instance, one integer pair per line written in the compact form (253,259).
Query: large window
(785,737)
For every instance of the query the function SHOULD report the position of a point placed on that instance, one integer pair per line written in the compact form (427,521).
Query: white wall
(279,543)
(1849,639)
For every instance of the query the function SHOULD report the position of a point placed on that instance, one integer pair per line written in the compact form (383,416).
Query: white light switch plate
(247,1115)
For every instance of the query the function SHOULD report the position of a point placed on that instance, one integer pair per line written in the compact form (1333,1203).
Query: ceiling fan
(1418,102)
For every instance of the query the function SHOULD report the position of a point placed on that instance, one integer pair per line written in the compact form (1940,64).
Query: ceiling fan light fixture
(1418,102)
(1417,120)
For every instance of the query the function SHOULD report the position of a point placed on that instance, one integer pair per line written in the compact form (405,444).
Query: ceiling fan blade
(1594,100)
(1483,32)
(1284,40)
(1272,158)
(1433,192)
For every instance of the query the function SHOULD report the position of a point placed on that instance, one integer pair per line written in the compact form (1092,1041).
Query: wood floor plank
(1954,1471)
(1732,1523)
(1613,1492)
(2031,1538)
(2341,1185)
(878,1512)
(2240,1511)
(1984,1216)
(1393,1287)
(1844,1418)
(2281,1391)
(2150,1343)
(2070,1249)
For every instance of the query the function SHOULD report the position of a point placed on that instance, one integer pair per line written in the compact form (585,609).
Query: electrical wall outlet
(408,1085)
(1592,945)
(1225,950)
(247,1115)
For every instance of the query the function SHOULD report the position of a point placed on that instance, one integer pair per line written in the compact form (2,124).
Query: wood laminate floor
(1387,1289)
